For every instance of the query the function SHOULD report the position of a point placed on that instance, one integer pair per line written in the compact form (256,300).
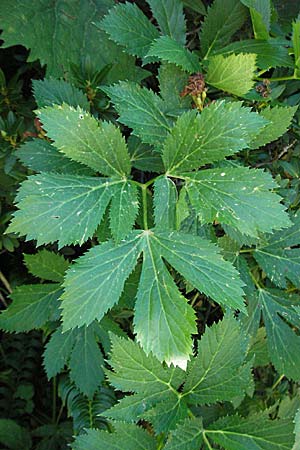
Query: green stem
(5,282)
(247,250)
(291,77)
(59,414)
(277,382)
(145,208)
(207,441)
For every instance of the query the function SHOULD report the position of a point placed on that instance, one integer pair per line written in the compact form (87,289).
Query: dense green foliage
(150,218)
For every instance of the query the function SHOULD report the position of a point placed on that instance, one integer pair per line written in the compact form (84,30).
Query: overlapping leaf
(140,109)
(126,436)
(51,92)
(222,129)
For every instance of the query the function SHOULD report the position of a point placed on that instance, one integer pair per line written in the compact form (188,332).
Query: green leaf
(40,156)
(283,342)
(45,29)
(233,74)
(99,278)
(86,362)
(279,257)
(165,198)
(14,436)
(199,261)
(296,46)
(126,436)
(32,306)
(129,362)
(143,157)
(51,91)
(222,129)
(268,53)
(237,196)
(129,27)
(172,80)
(170,18)
(187,436)
(123,210)
(257,432)
(279,118)
(71,23)
(198,7)
(224,18)
(165,415)
(260,11)
(47,265)
(141,110)
(163,320)
(99,145)
(167,49)
(219,372)
(297,431)
(58,350)
(61,208)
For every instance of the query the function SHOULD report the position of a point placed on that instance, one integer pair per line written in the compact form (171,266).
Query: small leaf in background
(279,256)
(170,18)
(47,265)
(233,74)
(224,18)
(32,306)
(260,11)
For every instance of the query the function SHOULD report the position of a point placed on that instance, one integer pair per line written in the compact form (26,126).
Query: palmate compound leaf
(223,19)
(126,436)
(67,209)
(238,197)
(47,265)
(279,257)
(233,74)
(160,311)
(222,129)
(140,109)
(170,18)
(254,432)
(167,49)
(221,359)
(99,145)
(279,311)
(32,306)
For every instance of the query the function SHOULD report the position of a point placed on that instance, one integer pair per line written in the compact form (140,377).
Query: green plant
(163,190)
